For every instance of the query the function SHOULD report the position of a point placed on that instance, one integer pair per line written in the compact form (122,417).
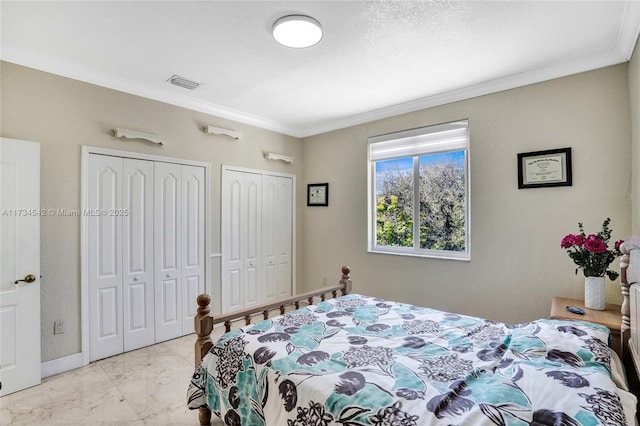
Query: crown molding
(508,82)
(627,38)
(52,65)
(629,29)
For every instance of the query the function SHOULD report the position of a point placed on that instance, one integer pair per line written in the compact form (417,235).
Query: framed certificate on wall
(318,194)
(544,168)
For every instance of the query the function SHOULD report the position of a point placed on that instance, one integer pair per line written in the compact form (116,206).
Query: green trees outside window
(441,201)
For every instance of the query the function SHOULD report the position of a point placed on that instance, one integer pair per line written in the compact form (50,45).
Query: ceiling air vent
(176,80)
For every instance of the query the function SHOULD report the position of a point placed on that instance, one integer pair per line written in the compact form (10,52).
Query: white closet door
(168,251)
(284,236)
(105,256)
(231,193)
(251,239)
(257,238)
(137,224)
(193,252)
(270,212)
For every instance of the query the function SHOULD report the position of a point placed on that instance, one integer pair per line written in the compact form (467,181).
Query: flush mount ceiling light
(297,31)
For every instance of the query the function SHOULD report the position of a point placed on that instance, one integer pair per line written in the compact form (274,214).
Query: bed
(355,360)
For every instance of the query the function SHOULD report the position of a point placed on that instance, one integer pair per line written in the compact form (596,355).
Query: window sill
(464,257)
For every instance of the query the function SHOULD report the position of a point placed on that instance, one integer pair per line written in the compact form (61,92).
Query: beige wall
(63,115)
(634,97)
(516,264)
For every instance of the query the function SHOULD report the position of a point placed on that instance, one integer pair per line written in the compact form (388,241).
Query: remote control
(575,310)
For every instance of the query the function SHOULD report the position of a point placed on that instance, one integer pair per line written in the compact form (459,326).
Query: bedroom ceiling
(376,59)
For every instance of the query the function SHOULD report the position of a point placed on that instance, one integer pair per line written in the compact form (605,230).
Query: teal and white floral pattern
(357,360)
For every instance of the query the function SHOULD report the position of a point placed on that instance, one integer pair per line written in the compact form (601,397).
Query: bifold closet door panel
(231,203)
(270,212)
(168,250)
(137,226)
(284,236)
(251,237)
(193,252)
(104,195)
(277,237)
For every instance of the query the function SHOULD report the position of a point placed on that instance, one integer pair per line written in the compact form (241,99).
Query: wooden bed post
(625,326)
(346,280)
(203,325)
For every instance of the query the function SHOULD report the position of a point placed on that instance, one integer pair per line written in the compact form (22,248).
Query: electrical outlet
(58,327)
(324,282)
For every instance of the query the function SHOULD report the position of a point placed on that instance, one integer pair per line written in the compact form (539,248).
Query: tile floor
(140,388)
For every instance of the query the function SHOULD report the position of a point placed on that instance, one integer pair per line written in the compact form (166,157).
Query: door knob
(136,278)
(27,279)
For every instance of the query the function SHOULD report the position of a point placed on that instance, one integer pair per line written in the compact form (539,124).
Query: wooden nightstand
(611,317)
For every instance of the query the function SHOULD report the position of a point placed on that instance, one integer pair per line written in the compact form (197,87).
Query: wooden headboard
(630,288)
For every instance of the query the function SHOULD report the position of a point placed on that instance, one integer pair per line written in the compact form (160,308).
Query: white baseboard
(60,365)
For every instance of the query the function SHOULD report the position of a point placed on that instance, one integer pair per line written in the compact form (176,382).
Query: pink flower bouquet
(591,252)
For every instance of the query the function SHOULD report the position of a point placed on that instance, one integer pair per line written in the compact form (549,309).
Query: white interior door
(137,226)
(270,212)
(146,258)
(257,237)
(19,265)
(168,253)
(105,256)
(231,193)
(251,239)
(284,236)
(193,232)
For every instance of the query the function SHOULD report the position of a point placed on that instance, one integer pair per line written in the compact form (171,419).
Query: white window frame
(440,138)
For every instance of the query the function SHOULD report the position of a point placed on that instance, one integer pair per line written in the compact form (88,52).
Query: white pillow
(617,371)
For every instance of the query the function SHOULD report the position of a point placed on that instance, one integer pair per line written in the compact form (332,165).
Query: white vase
(594,293)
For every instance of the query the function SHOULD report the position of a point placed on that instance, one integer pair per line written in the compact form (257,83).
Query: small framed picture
(318,194)
(539,169)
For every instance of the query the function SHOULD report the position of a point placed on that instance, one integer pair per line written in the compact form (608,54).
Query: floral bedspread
(357,360)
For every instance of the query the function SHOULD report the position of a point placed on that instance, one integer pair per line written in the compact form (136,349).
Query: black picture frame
(542,169)
(318,194)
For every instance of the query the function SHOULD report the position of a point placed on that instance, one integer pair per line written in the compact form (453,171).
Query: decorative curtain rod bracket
(134,134)
(274,156)
(220,131)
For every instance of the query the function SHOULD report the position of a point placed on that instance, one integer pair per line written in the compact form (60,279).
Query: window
(419,192)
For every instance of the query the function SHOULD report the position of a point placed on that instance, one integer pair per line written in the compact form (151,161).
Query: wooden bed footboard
(204,321)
